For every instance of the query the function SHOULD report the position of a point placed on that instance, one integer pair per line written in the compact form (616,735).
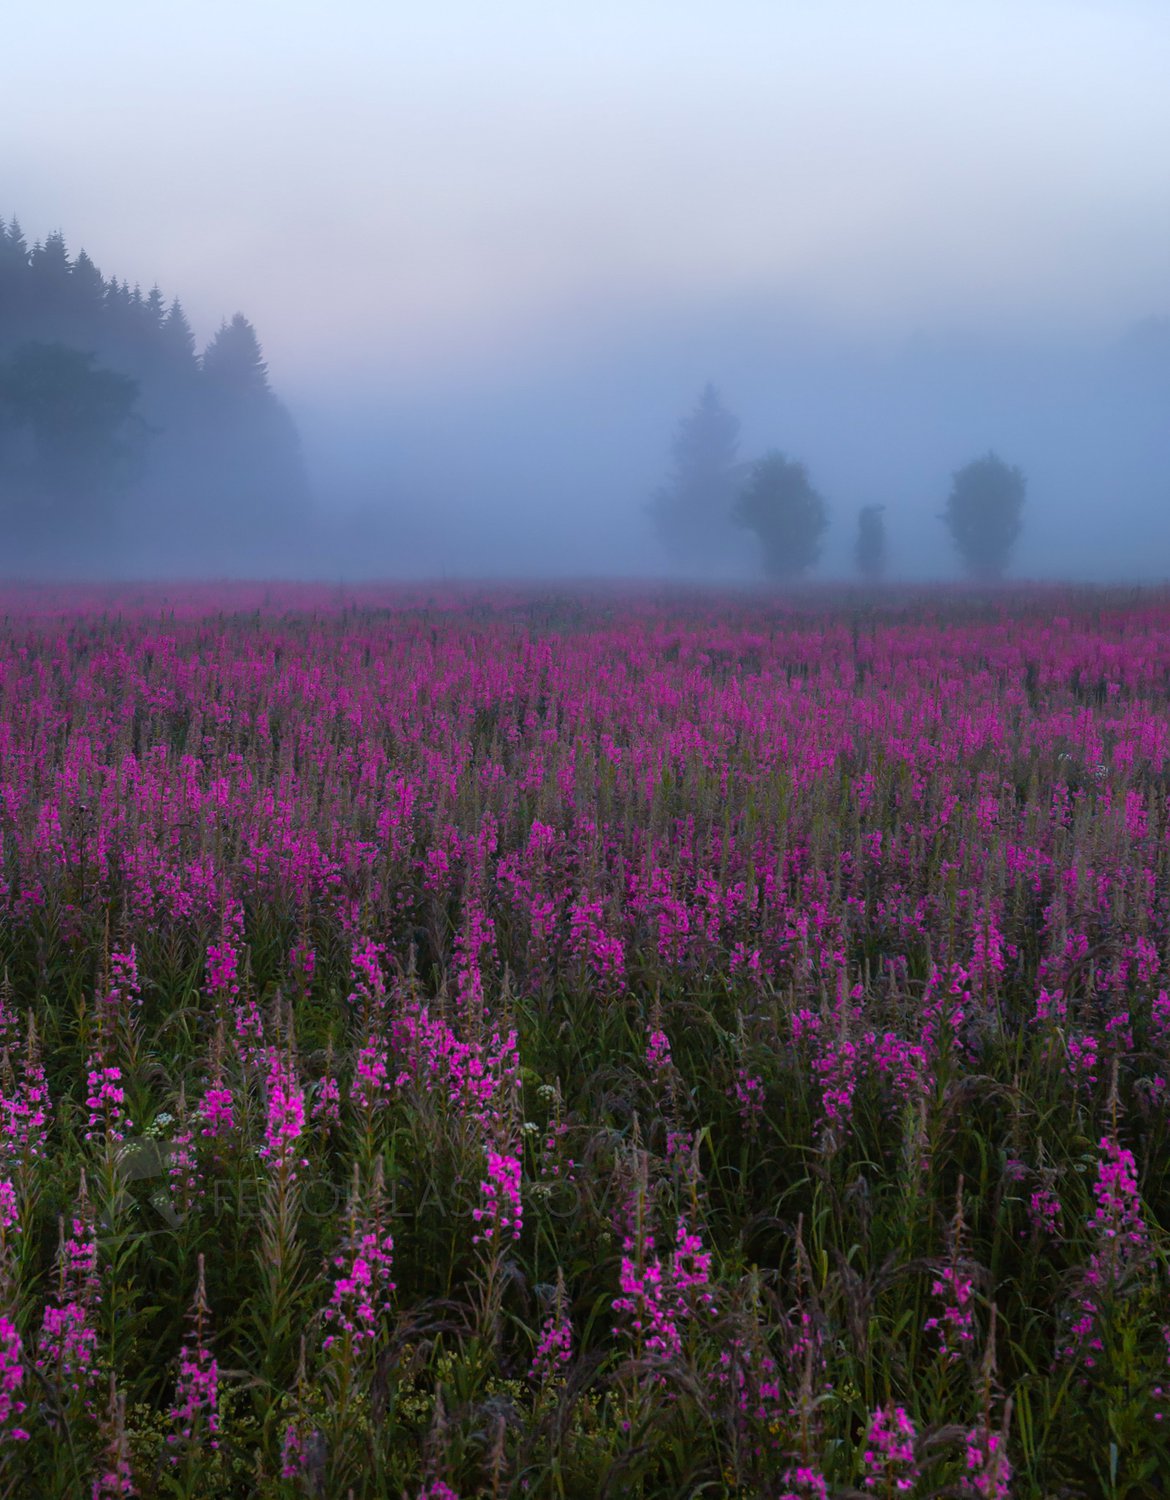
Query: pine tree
(154,310)
(233,363)
(88,286)
(221,475)
(692,510)
(178,339)
(13,282)
(13,250)
(870,551)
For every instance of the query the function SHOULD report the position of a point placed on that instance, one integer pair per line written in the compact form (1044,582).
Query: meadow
(552,1042)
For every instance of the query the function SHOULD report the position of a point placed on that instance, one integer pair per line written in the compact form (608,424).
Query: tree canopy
(202,462)
(70,429)
(984,514)
(788,516)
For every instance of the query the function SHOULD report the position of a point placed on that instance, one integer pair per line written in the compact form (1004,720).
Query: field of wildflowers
(581,1044)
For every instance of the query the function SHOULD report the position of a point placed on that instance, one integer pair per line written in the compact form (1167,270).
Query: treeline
(711,498)
(121,444)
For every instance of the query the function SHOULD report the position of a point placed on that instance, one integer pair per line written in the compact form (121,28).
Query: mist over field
(549,947)
(491,264)
(549,469)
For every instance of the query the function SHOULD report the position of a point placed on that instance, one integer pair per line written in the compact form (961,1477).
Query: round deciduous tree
(780,505)
(984,514)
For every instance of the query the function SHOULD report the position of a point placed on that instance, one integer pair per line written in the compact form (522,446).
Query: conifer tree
(178,339)
(692,510)
(233,361)
(870,551)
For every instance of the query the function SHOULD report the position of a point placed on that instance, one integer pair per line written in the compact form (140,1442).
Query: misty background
(492,259)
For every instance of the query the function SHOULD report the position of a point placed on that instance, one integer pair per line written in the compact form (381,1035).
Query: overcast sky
(429,187)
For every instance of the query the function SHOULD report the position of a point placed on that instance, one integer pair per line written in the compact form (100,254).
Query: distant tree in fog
(223,482)
(70,439)
(233,362)
(780,505)
(870,549)
(692,509)
(984,514)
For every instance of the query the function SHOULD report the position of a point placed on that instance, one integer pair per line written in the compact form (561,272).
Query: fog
(549,468)
(492,257)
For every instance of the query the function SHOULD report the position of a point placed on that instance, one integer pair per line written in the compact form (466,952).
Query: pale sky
(416,187)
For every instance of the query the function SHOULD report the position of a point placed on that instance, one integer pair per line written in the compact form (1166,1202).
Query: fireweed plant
(462,1043)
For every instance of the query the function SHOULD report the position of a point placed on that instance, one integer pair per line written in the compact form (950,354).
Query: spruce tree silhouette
(222,473)
(691,511)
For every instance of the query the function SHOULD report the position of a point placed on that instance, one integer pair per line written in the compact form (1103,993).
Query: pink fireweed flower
(115,1482)
(660,1296)
(195,1412)
(1050,1007)
(889,1459)
(125,989)
(1044,1211)
(11,1381)
(196,1398)
(554,1347)
(680,1148)
(77,1259)
(1118,1217)
(223,969)
(326,1110)
(1081,1062)
(184,1178)
(116,1479)
(473,943)
(1122,1249)
(501,1210)
(286,1120)
(602,952)
(804,1483)
(296,1449)
(368,996)
(989,1474)
(9,1210)
(752,1378)
(67,1348)
(106,1103)
(217,1110)
(248,1021)
(837,1067)
(955,1325)
(302,962)
(24,1113)
(371,1086)
(658,1058)
(361,1293)
(748,1093)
